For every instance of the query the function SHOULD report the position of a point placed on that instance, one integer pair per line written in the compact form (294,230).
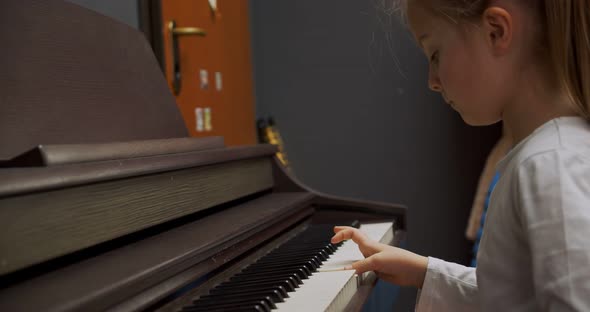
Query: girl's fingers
(339,228)
(365,265)
(344,233)
(339,236)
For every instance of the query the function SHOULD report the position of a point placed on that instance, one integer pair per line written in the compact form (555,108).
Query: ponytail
(568,36)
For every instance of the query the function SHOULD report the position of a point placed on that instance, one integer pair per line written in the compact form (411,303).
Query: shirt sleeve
(554,200)
(448,287)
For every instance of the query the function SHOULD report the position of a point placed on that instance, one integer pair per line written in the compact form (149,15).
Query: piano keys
(332,291)
(290,277)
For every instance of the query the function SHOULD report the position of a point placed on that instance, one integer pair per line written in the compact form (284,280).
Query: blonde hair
(565,30)
(568,35)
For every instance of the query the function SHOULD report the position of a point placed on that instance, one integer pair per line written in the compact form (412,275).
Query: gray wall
(122,10)
(357,124)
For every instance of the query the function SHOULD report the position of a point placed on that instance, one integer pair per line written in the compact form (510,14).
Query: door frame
(150,23)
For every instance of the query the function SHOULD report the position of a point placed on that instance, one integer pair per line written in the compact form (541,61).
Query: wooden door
(213,68)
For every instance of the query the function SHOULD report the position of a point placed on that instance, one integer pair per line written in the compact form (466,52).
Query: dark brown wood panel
(84,216)
(65,154)
(71,75)
(100,282)
(18,181)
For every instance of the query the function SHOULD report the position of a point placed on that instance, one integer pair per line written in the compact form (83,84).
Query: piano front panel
(102,211)
(137,274)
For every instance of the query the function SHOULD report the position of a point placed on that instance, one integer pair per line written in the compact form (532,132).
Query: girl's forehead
(421,20)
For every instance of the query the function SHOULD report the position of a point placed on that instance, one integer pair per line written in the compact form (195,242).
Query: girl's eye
(434,58)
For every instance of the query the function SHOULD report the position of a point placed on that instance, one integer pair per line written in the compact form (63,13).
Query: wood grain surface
(141,272)
(42,226)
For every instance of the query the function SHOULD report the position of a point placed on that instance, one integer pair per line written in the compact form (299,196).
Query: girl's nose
(433,81)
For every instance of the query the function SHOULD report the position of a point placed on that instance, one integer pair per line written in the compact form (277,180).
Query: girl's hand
(392,264)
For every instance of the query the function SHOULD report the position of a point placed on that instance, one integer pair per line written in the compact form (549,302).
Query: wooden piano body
(105,204)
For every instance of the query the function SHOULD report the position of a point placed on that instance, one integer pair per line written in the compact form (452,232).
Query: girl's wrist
(421,269)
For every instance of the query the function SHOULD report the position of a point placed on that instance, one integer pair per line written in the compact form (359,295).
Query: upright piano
(106,204)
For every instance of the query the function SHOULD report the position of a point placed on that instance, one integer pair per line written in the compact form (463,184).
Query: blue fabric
(384,294)
(486,203)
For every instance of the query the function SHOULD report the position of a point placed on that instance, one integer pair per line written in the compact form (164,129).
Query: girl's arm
(445,286)
(448,287)
(554,207)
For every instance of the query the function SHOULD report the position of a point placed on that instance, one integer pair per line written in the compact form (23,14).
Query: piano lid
(70,75)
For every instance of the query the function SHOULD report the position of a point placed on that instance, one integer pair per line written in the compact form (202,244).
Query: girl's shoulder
(557,140)
(548,172)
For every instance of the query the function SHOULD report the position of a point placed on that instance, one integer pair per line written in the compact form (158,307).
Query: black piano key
(318,256)
(271,297)
(238,288)
(299,248)
(297,243)
(290,277)
(298,254)
(327,248)
(251,308)
(273,294)
(270,278)
(286,251)
(259,305)
(313,258)
(248,287)
(293,278)
(308,264)
(255,308)
(307,242)
(300,272)
(294,266)
(282,260)
(304,244)
(235,301)
(281,285)
(322,254)
(266,276)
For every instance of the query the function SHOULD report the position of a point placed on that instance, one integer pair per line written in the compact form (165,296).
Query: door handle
(174,33)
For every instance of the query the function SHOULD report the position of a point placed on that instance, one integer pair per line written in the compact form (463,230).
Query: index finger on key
(339,228)
(348,233)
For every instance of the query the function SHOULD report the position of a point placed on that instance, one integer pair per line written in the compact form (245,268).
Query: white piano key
(332,291)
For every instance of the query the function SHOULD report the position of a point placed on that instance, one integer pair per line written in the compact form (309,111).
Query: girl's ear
(498,28)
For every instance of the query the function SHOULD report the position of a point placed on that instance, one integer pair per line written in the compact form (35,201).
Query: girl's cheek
(445,74)
(454,70)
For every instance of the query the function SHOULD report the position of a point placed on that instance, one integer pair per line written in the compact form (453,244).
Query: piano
(107,205)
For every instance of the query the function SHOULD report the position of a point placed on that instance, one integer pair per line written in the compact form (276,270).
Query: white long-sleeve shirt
(535,250)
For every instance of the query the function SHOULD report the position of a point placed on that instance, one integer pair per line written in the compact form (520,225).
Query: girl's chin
(470,120)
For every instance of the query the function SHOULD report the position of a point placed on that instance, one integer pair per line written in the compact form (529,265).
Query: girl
(526,62)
